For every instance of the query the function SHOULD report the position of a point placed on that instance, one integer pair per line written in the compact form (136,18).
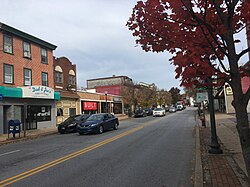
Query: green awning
(11,92)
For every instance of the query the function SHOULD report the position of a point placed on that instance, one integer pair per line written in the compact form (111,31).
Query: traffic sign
(202,96)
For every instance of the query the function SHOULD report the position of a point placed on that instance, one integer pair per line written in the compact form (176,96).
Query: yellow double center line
(63,159)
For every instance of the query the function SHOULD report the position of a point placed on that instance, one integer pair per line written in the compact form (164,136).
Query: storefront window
(42,113)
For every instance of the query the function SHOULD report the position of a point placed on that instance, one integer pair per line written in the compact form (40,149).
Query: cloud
(93,35)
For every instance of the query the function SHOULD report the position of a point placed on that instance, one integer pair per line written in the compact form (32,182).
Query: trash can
(14,126)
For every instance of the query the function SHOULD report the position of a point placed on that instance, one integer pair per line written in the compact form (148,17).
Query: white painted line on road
(9,152)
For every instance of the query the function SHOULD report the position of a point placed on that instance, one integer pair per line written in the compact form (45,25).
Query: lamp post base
(215,150)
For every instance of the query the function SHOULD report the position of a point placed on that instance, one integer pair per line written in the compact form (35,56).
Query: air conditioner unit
(27,54)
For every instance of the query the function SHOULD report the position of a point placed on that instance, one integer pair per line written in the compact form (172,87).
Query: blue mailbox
(14,127)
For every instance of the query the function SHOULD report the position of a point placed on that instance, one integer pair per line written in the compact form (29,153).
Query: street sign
(201,96)
(1,97)
(202,88)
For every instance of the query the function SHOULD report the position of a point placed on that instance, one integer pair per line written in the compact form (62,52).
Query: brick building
(66,84)
(115,85)
(27,81)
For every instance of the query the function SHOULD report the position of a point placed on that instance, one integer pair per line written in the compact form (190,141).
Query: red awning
(90,106)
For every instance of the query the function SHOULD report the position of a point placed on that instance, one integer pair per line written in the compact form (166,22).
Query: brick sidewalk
(217,171)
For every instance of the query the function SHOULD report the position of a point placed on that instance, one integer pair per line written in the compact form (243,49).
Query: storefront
(67,106)
(92,103)
(90,107)
(33,106)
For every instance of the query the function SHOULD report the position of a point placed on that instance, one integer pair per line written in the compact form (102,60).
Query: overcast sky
(91,34)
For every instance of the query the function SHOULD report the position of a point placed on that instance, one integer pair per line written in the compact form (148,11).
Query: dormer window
(26,50)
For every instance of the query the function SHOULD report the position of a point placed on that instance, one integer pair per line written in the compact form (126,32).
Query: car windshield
(95,117)
(71,118)
(158,109)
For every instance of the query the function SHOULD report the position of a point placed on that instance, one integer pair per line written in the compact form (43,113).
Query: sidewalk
(32,134)
(227,169)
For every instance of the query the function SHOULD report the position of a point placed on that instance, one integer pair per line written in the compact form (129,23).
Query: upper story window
(58,74)
(26,50)
(72,78)
(8,74)
(45,81)
(27,77)
(7,43)
(44,56)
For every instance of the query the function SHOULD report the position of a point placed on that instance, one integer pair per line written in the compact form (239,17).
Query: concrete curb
(198,173)
(29,137)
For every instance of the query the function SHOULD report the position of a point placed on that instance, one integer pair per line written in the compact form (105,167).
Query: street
(149,151)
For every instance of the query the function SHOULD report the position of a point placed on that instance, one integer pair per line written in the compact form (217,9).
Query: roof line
(26,36)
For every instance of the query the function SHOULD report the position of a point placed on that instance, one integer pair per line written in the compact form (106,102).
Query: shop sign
(90,106)
(43,92)
(117,99)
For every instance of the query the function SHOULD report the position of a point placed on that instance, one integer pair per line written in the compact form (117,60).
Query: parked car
(159,112)
(179,107)
(166,108)
(70,124)
(98,123)
(148,111)
(140,113)
(172,109)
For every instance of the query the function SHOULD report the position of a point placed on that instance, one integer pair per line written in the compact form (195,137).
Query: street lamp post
(106,104)
(215,146)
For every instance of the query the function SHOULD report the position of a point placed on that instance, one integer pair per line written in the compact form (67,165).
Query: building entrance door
(31,118)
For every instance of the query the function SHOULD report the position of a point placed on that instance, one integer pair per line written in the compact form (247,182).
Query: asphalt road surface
(149,151)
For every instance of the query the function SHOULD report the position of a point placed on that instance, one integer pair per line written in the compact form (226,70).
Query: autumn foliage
(204,38)
(195,32)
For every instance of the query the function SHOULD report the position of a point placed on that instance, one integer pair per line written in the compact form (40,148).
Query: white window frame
(9,78)
(44,56)
(27,79)
(47,79)
(7,43)
(26,49)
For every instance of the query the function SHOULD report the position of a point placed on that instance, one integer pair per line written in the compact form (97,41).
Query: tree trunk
(244,132)
(240,106)
(239,102)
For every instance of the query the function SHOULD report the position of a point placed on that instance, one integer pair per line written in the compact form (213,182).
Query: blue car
(98,123)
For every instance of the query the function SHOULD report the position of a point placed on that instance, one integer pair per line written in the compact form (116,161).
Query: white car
(159,112)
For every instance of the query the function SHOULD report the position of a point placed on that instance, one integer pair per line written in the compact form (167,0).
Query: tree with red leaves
(202,36)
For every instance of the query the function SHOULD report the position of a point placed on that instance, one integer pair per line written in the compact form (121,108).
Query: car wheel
(115,126)
(100,131)
(80,133)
